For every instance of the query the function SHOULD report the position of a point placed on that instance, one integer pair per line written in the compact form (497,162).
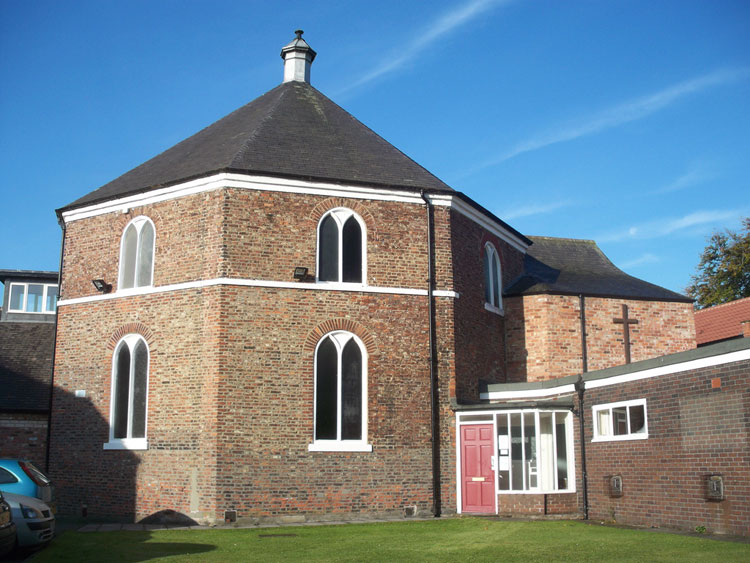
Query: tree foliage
(723,273)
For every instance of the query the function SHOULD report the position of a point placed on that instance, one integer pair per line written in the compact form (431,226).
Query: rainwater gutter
(434,420)
(61,222)
(580,388)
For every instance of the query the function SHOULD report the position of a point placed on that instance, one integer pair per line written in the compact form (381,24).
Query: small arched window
(127,418)
(137,254)
(493,279)
(341,247)
(340,394)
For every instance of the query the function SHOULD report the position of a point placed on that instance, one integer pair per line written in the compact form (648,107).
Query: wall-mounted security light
(102,286)
(300,273)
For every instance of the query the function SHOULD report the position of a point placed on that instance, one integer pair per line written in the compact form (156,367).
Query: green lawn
(450,539)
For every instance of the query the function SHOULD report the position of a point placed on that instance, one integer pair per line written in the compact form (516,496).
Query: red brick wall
(557,503)
(480,334)
(231,367)
(24,436)
(698,424)
(188,244)
(544,333)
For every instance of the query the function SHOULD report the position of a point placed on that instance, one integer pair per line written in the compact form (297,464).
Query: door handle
(492,463)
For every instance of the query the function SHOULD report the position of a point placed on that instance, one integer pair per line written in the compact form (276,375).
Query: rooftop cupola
(298,56)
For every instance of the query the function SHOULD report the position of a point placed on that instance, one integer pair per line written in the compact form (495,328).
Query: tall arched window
(137,254)
(493,279)
(340,394)
(127,416)
(341,247)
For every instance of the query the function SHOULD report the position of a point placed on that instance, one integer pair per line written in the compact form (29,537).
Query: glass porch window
(532,451)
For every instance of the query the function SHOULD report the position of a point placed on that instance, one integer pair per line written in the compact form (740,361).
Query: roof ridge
(246,144)
(723,305)
(545,237)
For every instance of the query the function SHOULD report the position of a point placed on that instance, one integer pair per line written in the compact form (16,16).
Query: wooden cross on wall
(626,322)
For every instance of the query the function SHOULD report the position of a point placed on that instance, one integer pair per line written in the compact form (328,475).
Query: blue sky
(627,122)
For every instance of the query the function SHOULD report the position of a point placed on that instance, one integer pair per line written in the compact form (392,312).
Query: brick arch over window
(358,207)
(347,325)
(131,328)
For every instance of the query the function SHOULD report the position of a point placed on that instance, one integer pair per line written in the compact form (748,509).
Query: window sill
(127,444)
(31,312)
(339,446)
(622,438)
(134,290)
(351,286)
(497,310)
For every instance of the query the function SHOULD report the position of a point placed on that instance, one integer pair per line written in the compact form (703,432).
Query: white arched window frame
(341,267)
(137,254)
(332,349)
(128,407)
(493,280)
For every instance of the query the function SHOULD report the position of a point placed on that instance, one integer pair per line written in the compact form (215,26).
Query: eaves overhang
(603,295)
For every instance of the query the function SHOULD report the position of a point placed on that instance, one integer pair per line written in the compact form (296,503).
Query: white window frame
(138,223)
(128,443)
(341,215)
(489,252)
(569,451)
(25,286)
(340,338)
(610,437)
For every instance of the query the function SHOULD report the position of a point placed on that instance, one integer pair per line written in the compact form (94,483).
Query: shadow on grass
(128,547)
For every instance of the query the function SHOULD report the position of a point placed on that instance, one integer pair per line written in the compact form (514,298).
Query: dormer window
(137,254)
(32,298)
(493,280)
(341,247)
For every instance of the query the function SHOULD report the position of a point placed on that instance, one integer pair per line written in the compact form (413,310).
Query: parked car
(7,528)
(21,477)
(35,523)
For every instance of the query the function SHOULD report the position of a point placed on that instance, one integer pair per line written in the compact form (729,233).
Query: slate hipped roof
(576,266)
(292,131)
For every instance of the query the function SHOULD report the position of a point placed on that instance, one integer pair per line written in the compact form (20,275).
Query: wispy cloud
(442,25)
(667,226)
(533,209)
(695,175)
(646,258)
(632,110)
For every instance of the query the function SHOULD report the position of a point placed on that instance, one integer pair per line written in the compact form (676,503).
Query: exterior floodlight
(102,286)
(300,273)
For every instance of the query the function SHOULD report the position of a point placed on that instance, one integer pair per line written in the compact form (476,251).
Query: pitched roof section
(721,322)
(576,266)
(25,365)
(292,131)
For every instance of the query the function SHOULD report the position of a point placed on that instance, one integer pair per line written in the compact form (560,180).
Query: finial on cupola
(298,56)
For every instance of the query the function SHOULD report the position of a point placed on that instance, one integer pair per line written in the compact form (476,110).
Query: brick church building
(283,317)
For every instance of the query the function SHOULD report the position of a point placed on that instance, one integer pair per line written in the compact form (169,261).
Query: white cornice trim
(711,361)
(345,287)
(483,221)
(527,393)
(273,184)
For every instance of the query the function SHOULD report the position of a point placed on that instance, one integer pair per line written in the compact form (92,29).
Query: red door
(477,476)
